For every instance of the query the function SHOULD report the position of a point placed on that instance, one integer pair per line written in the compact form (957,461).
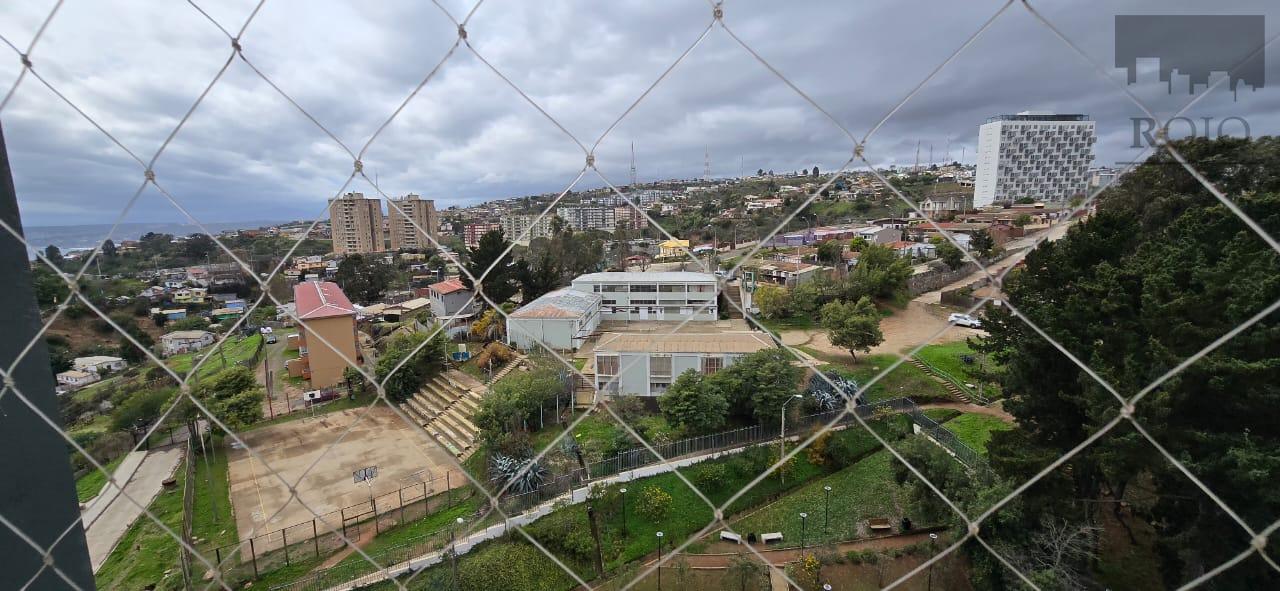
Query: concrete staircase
(951,388)
(444,406)
(733,293)
(508,368)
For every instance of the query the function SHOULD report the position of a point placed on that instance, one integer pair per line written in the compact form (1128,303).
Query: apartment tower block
(356,224)
(409,217)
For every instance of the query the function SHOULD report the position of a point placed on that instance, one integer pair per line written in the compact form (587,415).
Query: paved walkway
(109,515)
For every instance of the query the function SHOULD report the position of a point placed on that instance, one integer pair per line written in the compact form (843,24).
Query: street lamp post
(933,539)
(782,433)
(659,561)
(804,517)
(826,511)
(624,510)
(453,552)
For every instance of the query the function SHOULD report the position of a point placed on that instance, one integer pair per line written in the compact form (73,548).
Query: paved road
(110,514)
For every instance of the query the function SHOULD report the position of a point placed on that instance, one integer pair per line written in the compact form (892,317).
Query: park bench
(879,524)
(771,537)
(731,537)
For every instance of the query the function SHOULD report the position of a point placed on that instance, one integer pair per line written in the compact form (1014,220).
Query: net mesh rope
(239,54)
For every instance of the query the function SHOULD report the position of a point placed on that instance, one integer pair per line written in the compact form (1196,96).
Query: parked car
(965,320)
(271,339)
(315,397)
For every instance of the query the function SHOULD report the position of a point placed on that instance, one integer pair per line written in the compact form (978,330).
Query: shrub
(654,503)
(711,476)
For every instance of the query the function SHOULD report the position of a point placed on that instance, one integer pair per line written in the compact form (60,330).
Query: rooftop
(561,303)
(653,276)
(187,334)
(321,299)
(448,286)
(718,342)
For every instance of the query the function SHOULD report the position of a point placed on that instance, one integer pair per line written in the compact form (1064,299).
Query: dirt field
(906,328)
(402,454)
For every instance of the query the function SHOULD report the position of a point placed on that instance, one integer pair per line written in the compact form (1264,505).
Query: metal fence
(239,51)
(324,534)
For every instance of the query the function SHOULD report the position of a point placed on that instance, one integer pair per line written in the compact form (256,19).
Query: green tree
(982,243)
(363,279)
(537,278)
(774,301)
(425,359)
(831,252)
(54,254)
(491,251)
(880,273)
(1022,220)
(1159,272)
(693,404)
(514,401)
(854,326)
(950,254)
(757,384)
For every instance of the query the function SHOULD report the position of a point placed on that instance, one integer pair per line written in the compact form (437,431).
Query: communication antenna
(633,164)
(917,166)
(706,163)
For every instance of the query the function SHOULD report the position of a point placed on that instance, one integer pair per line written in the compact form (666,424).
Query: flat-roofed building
(356,224)
(646,364)
(409,217)
(328,340)
(658,295)
(561,320)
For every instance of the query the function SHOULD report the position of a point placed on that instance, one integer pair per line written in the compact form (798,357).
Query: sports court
(404,456)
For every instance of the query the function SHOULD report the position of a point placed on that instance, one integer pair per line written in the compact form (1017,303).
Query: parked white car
(964,320)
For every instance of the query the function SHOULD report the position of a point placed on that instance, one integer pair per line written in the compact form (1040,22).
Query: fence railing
(972,393)
(640,457)
(948,440)
(324,534)
(346,571)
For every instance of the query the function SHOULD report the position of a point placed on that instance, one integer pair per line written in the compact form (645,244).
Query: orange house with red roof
(327,330)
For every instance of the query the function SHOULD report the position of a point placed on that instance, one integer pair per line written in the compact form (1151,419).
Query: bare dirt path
(784,556)
(904,330)
(995,410)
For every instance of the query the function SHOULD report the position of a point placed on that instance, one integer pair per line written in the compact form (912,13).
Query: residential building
(74,379)
(356,224)
(521,228)
(673,248)
(561,320)
(471,233)
(946,204)
(659,295)
(915,250)
(99,364)
(789,274)
(453,304)
(1033,154)
(184,341)
(328,340)
(409,217)
(588,217)
(625,216)
(221,314)
(646,364)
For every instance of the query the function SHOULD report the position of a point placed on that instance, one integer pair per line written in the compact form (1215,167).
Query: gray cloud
(247,154)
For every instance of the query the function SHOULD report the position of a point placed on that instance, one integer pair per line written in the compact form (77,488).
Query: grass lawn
(863,490)
(947,357)
(89,485)
(975,429)
(595,434)
(905,380)
(777,325)
(236,349)
(211,518)
(146,551)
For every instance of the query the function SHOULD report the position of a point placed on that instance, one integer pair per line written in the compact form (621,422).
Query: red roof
(448,286)
(321,299)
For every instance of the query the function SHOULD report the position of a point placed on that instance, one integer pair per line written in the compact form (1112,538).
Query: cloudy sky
(248,154)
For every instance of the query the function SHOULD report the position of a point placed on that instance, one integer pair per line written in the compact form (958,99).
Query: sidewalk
(110,514)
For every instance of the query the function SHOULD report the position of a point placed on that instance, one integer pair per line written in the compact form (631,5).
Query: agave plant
(524,475)
(829,397)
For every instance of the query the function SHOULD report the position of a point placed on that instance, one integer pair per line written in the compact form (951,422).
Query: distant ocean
(87,236)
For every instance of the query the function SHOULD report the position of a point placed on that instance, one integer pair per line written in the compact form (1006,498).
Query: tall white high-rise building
(1034,154)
